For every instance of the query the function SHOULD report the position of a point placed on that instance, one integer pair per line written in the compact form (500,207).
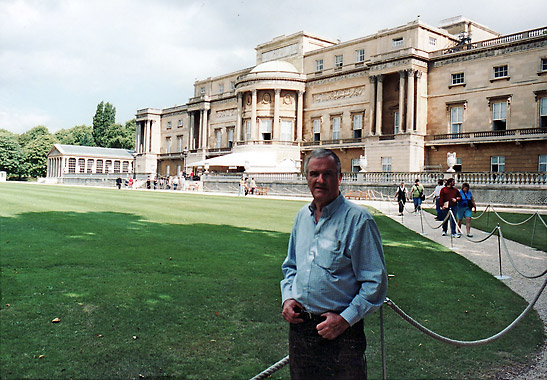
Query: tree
(28,136)
(79,135)
(121,136)
(36,155)
(11,154)
(105,115)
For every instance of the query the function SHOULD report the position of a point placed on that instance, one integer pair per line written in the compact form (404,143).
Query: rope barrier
(513,263)
(274,368)
(463,343)
(460,343)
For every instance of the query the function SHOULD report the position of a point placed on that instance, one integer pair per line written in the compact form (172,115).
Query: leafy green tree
(28,136)
(35,153)
(105,116)
(11,154)
(79,135)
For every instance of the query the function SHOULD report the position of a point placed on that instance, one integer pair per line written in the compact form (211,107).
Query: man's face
(323,180)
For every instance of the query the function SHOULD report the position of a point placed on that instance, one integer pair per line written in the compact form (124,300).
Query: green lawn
(187,286)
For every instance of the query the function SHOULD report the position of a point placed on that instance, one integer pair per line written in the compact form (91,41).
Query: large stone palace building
(403,97)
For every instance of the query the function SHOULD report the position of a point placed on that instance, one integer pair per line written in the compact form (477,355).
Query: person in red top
(449,198)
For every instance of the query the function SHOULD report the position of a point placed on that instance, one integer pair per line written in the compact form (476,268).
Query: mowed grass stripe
(187,286)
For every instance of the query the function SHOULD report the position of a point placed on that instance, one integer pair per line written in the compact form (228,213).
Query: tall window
(543,113)
(248,130)
(168,125)
(81,165)
(432,41)
(180,123)
(230,138)
(286,130)
(336,127)
(497,164)
(316,129)
(543,66)
(108,166)
(456,119)
(90,163)
(396,127)
(202,91)
(168,145)
(319,65)
(72,165)
(99,168)
(219,137)
(179,143)
(266,129)
(221,88)
(117,166)
(360,56)
(501,71)
(355,167)
(338,61)
(542,166)
(499,116)
(458,78)
(357,126)
(125,166)
(386,164)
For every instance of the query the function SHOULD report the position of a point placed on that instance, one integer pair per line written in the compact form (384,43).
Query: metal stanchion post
(384,372)
(534,230)
(501,276)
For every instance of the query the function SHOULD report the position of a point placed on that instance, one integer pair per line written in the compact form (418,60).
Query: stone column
(276,123)
(254,127)
(420,127)
(237,136)
(402,75)
(204,129)
(372,112)
(299,116)
(410,102)
(137,137)
(191,131)
(379,101)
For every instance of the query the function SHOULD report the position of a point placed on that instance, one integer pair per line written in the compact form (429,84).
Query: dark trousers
(452,222)
(313,357)
(402,202)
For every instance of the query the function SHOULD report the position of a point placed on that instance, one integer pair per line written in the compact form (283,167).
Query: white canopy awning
(240,159)
(252,161)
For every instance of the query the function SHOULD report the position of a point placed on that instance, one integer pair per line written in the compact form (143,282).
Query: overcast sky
(60,58)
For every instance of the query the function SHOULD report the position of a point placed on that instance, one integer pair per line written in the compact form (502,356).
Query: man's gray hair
(322,153)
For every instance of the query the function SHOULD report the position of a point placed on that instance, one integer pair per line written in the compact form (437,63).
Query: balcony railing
(392,178)
(474,178)
(489,134)
(492,42)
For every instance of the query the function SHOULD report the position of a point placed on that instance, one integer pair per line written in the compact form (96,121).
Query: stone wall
(501,195)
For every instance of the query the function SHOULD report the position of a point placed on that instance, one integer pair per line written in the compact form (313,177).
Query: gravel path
(485,255)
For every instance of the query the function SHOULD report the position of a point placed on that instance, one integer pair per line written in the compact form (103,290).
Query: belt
(309,317)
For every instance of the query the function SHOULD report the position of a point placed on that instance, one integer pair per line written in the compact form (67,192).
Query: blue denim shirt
(336,264)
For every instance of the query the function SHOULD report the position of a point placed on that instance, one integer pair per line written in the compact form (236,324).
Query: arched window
(81,165)
(116,166)
(99,168)
(72,165)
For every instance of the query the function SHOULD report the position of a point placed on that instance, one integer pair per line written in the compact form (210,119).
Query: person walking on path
(241,186)
(437,195)
(466,204)
(334,275)
(401,195)
(449,198)
(417,195)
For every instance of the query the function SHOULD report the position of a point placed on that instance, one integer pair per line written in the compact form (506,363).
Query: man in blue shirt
(334,275)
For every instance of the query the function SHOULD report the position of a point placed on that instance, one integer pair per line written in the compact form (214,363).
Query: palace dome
(275,66)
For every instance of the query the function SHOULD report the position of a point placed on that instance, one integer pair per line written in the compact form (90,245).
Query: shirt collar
(329,209)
